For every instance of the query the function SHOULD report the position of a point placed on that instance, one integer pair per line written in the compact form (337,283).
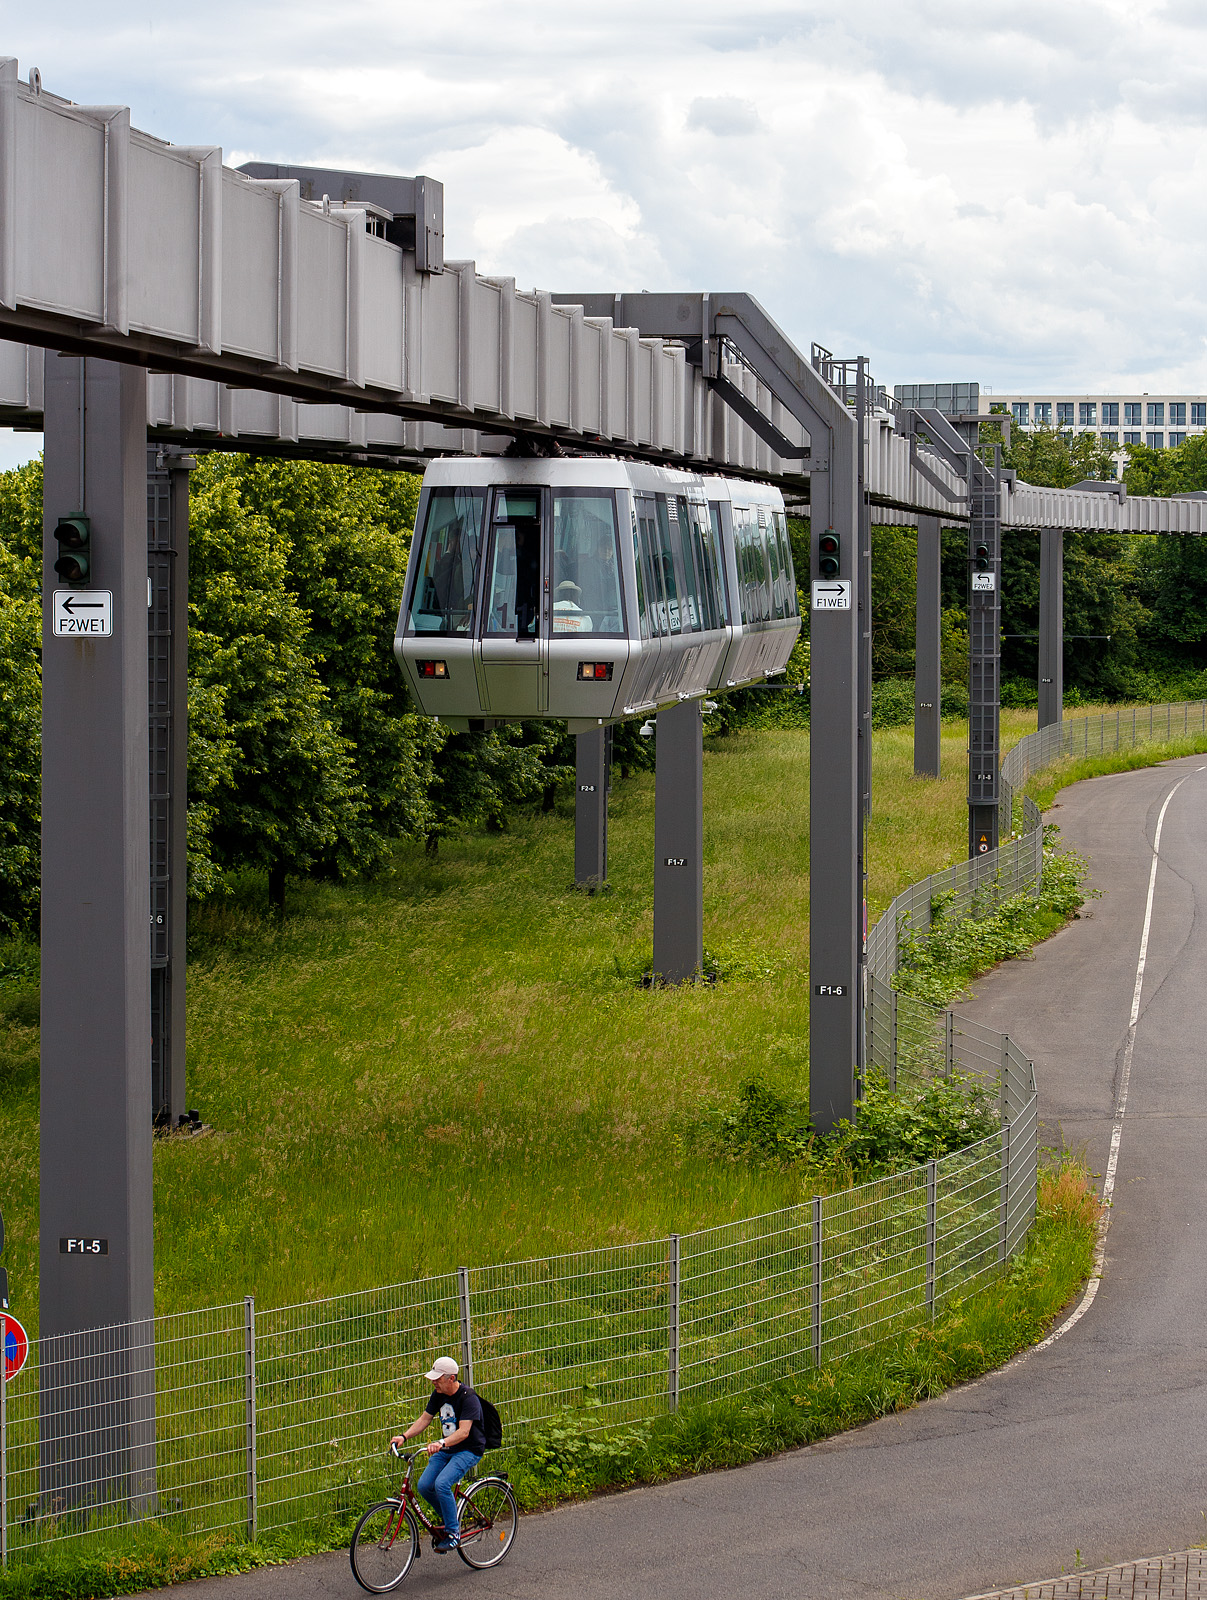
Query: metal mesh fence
(250,1420)
(235,1418)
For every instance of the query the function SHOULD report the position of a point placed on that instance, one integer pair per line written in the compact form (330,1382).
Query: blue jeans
(440,1477)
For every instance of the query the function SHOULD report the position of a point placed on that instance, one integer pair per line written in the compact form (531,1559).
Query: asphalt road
(1094,1450)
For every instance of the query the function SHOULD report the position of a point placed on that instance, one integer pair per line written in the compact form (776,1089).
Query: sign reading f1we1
(83,613)
(831,594)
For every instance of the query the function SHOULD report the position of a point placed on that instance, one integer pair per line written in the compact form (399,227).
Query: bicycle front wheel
(489,1515)
(383,1546)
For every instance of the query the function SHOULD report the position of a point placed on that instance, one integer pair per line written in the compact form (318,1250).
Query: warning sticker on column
(831,594)
(87,613)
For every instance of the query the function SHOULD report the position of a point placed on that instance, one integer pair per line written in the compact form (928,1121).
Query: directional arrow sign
(831,594)
(83,613)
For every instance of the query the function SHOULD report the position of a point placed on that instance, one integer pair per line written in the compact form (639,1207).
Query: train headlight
(595,671)
(431,669)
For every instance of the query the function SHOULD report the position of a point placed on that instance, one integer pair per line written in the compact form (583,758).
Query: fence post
(932,1225)
(672,1319)
(467,1339)
(249,1393)
(816,1286)
(1005,1199)
(893,1022)
(949,1043)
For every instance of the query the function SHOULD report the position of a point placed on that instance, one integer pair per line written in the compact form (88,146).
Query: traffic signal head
(981,558)
(74,534)
(828,554)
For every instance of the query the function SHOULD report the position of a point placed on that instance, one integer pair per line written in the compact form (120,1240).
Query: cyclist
(456,1453)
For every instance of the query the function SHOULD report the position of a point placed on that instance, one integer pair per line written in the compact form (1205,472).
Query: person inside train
(568,614)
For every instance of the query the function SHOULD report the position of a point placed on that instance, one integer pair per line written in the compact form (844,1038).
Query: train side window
(643,620)
(746,533)
(791,608)
(762,569)
(689,517)
(775,587)
(443,597)
(648,525)
(710,610)
(692,586)
(664,564)
(586,566)
(720,576)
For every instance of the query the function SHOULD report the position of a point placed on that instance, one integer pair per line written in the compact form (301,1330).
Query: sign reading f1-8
(84,613)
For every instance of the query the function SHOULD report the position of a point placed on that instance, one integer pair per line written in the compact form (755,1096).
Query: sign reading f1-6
(84,613)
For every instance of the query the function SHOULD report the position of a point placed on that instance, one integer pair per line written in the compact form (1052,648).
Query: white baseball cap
(442,1367)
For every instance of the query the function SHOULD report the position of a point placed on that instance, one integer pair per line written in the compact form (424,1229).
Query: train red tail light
(595,671)
(431,669)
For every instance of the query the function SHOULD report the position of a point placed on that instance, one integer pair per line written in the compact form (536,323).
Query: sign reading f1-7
(85,613)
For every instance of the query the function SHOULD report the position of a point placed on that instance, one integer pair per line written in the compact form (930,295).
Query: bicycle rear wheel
(489,1515)
(383,1546)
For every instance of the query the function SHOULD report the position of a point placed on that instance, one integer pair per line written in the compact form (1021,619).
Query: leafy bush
(892,702)
(569,1452)
(936,965)
(895,1130)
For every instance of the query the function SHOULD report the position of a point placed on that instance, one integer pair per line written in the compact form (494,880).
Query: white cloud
(1016,196)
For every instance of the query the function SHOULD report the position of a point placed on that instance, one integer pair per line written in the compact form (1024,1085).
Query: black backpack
(492,1426)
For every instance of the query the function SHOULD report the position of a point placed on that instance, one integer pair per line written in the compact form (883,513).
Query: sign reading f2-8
(83,613)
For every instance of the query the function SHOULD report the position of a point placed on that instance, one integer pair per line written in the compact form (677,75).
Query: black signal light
(828,554)
(981,559)
(74,536)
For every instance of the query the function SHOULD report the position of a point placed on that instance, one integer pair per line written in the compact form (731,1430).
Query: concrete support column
(168,659)
(97,1391)
(984,645)
(592,764)
(928,686)
(1051,625)
(679,844)
(836,916)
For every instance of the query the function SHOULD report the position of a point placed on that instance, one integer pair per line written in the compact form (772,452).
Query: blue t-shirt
(451,1411)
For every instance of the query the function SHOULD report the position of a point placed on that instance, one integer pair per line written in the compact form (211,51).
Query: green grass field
(456,1064)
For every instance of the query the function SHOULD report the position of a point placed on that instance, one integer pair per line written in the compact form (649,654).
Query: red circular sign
(16,1347)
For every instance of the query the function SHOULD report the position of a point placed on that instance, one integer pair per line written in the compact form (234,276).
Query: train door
(514,605)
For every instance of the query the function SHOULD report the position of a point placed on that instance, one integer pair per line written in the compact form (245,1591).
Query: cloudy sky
(1015,194)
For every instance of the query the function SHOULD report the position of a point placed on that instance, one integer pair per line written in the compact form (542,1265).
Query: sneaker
(444,1545)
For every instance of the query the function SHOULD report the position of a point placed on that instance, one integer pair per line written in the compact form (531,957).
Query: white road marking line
(1108,1185)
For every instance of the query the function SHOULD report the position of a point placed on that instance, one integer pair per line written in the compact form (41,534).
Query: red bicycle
(387,1537)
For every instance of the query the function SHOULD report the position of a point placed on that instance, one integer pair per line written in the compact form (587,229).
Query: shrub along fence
(247,1419)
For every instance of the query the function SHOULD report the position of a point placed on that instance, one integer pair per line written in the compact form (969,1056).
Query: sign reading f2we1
(83,613)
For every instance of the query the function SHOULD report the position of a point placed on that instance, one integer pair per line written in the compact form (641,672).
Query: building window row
(1087,417)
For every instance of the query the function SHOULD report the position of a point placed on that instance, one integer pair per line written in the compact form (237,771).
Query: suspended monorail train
(590,589)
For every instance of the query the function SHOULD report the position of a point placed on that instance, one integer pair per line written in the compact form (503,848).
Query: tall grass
(454,1064)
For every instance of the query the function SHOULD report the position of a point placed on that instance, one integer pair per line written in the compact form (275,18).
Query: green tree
(269,768)
(347,532)
(20,696)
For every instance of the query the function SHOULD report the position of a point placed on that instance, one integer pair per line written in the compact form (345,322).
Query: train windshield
(442,602)
(586,565)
